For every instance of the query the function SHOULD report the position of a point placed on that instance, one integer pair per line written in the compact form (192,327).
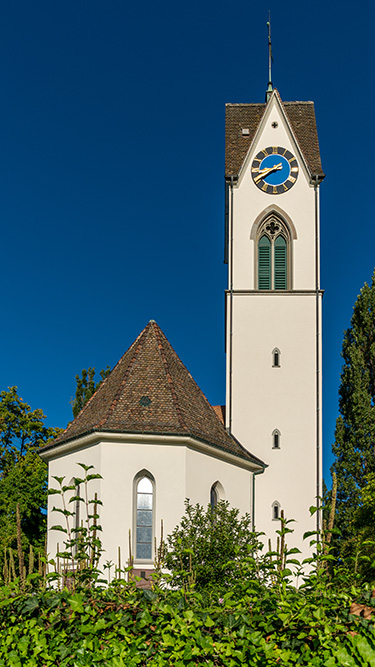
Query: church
(149,430)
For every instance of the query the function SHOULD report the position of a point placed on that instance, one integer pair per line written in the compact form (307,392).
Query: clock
(274,170)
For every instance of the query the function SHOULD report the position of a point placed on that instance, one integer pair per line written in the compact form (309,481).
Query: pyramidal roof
(150,391)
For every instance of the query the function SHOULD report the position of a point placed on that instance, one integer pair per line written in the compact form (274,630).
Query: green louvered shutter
(264,263)
(280,263)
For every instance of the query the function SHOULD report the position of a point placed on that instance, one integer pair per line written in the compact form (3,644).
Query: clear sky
(111,177)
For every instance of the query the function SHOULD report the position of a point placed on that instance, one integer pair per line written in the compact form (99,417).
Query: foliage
(355,427)
(262,620)
(86,387)
(23,475)
(206,542)
(78,560)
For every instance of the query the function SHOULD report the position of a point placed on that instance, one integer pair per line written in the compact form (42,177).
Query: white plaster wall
(66,466)
(179,472)
(203,471)
(266,398)
(120,464)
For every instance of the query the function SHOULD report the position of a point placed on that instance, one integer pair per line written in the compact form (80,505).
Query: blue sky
(111,177)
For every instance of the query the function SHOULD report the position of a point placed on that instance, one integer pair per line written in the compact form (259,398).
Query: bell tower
(273,304)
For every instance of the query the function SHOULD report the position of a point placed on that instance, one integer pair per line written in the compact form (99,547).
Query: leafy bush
(208,546)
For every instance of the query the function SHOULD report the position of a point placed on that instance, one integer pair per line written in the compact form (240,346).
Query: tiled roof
(151,391)
(301,116)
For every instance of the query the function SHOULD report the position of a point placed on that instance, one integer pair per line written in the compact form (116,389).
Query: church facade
(149,430)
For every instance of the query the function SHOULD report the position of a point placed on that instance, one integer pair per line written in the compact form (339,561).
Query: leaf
(64,530)
(58,479)
(29,605)
(76,603)
(94,475)
(85,467)
(148,594)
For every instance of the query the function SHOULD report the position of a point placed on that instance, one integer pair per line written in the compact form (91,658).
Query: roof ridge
(171,386)
(126,374)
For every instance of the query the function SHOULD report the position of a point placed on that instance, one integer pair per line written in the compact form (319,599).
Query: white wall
(179,472)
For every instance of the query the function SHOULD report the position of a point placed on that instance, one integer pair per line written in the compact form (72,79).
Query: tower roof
(151,391)
(301,116)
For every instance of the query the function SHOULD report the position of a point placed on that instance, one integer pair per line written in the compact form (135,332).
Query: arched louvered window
(273,255)
(144,497)
(264,263)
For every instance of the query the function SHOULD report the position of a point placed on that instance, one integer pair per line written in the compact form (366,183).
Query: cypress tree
(355,427)
(86,387)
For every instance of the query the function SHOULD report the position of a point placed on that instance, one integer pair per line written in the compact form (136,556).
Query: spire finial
(270,59)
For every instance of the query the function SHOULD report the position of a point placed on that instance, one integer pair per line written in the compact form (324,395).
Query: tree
(86,387)
(23,474)
(355,427)
(201,548)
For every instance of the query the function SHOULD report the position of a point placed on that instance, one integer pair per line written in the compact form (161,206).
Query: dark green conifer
(355,427)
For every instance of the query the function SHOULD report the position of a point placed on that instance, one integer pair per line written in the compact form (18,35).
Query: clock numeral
(255,170)
(274,149)
(264,187)
(274,192)
(285,187)
(292,179)
(294,169)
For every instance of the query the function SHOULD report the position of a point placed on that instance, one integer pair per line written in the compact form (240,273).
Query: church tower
(273,305)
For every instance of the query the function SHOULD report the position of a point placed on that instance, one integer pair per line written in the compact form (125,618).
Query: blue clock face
(274,170)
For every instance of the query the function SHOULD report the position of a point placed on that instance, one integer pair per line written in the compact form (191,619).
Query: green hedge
(121,626)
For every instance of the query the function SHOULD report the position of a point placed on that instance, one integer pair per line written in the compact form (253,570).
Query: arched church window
(273,254)
(144,497)
(276,435)
(214,498)
(276,354)
(275,510)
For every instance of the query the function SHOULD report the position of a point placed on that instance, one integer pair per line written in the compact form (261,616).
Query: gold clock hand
(267,170)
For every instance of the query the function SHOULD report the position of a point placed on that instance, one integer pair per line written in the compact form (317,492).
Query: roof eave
(93,435)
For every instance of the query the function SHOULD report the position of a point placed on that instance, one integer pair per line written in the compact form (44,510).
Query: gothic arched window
(144,510)
(273,255)
(213,497)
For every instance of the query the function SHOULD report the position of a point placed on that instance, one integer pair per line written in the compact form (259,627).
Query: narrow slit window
(275,511)
(144,518)
(276,358)
(276,439)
